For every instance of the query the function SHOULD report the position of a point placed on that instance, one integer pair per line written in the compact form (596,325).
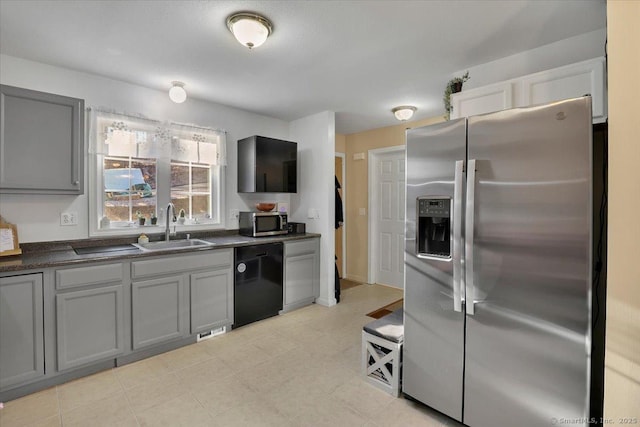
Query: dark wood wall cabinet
(267,165)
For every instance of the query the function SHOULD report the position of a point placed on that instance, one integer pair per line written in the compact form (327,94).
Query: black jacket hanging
(339,213)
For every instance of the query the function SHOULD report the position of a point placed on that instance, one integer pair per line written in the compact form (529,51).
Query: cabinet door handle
(76,182)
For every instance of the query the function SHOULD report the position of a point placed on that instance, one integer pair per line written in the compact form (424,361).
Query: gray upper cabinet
(21,330)
(41,142)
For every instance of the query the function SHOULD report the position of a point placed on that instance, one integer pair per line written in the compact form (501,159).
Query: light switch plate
(69,218)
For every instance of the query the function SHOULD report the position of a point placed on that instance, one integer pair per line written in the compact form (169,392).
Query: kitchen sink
(172,245)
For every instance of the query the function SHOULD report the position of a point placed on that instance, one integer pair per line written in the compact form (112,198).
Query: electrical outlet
(234,214)
(69,218)
(283,207)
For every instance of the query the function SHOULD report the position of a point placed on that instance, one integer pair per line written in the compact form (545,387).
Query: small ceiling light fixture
(177,93)
(249,28)
(404,112)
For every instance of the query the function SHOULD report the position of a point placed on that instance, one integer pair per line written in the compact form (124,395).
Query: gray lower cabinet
(41,141)
(177,296)
(89,326)
(158,308)
(301,273)
(21,329)
(89,314)
(211,294)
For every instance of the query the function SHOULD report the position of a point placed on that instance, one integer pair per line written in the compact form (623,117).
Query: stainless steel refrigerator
(498,266)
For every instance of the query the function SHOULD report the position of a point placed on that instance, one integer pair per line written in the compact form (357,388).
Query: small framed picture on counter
(9,244)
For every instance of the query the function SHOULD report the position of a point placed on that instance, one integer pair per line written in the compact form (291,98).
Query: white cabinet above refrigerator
(570,81)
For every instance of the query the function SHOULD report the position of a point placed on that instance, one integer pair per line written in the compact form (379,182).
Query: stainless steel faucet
(170,209)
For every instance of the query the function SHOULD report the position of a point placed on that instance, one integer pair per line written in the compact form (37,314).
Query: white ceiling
(357,58)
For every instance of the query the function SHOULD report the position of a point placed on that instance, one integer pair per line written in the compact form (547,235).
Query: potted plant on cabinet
(141,218)
(154,219)
(182,217)
(453,86)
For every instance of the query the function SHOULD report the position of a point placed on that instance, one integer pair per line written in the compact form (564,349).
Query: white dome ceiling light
(177,93)
(249,28)
(404,112)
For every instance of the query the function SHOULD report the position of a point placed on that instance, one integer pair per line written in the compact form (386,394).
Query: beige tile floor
(298,369)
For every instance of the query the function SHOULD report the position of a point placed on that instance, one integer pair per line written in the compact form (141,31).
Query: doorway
(340,236)
(386,216)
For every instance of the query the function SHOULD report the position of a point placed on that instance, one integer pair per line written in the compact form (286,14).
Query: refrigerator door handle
(457,237)
(469,231)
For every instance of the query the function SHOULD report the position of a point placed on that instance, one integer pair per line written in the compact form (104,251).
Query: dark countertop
(54,254)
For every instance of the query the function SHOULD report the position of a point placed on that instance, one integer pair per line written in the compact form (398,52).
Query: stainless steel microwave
(257,224)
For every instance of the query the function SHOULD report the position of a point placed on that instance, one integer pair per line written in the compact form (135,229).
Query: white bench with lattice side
(382,352)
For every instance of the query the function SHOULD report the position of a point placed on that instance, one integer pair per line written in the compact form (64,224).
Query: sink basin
(172,245)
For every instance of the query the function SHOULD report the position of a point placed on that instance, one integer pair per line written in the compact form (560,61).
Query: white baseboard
(356,278)
(326,303)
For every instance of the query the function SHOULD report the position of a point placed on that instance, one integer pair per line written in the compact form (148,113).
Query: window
(191,190)
(129,188)
(141,165)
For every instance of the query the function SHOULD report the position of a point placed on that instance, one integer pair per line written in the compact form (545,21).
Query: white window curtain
(196,144)
(127,135)
(131,135)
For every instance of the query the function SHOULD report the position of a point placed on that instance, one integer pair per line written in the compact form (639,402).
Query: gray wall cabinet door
(89,325)
(158,307)
(211,300)
(41,141)
(21,329)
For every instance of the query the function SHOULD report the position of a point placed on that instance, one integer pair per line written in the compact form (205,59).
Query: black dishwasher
(258,283)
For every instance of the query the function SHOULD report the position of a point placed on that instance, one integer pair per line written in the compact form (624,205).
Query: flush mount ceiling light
(177,93)
(250,29)
(404,112)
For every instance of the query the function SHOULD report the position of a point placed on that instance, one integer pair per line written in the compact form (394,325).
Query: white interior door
(388,209)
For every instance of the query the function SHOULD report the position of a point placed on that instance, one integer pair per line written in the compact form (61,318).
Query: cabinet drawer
(169,265)
(301,247)
(82,276)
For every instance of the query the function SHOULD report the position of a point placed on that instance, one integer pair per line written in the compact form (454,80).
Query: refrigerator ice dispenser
(434,227)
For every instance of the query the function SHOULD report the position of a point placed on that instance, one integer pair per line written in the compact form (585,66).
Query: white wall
(38,216)
(315,136)
(564,52)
